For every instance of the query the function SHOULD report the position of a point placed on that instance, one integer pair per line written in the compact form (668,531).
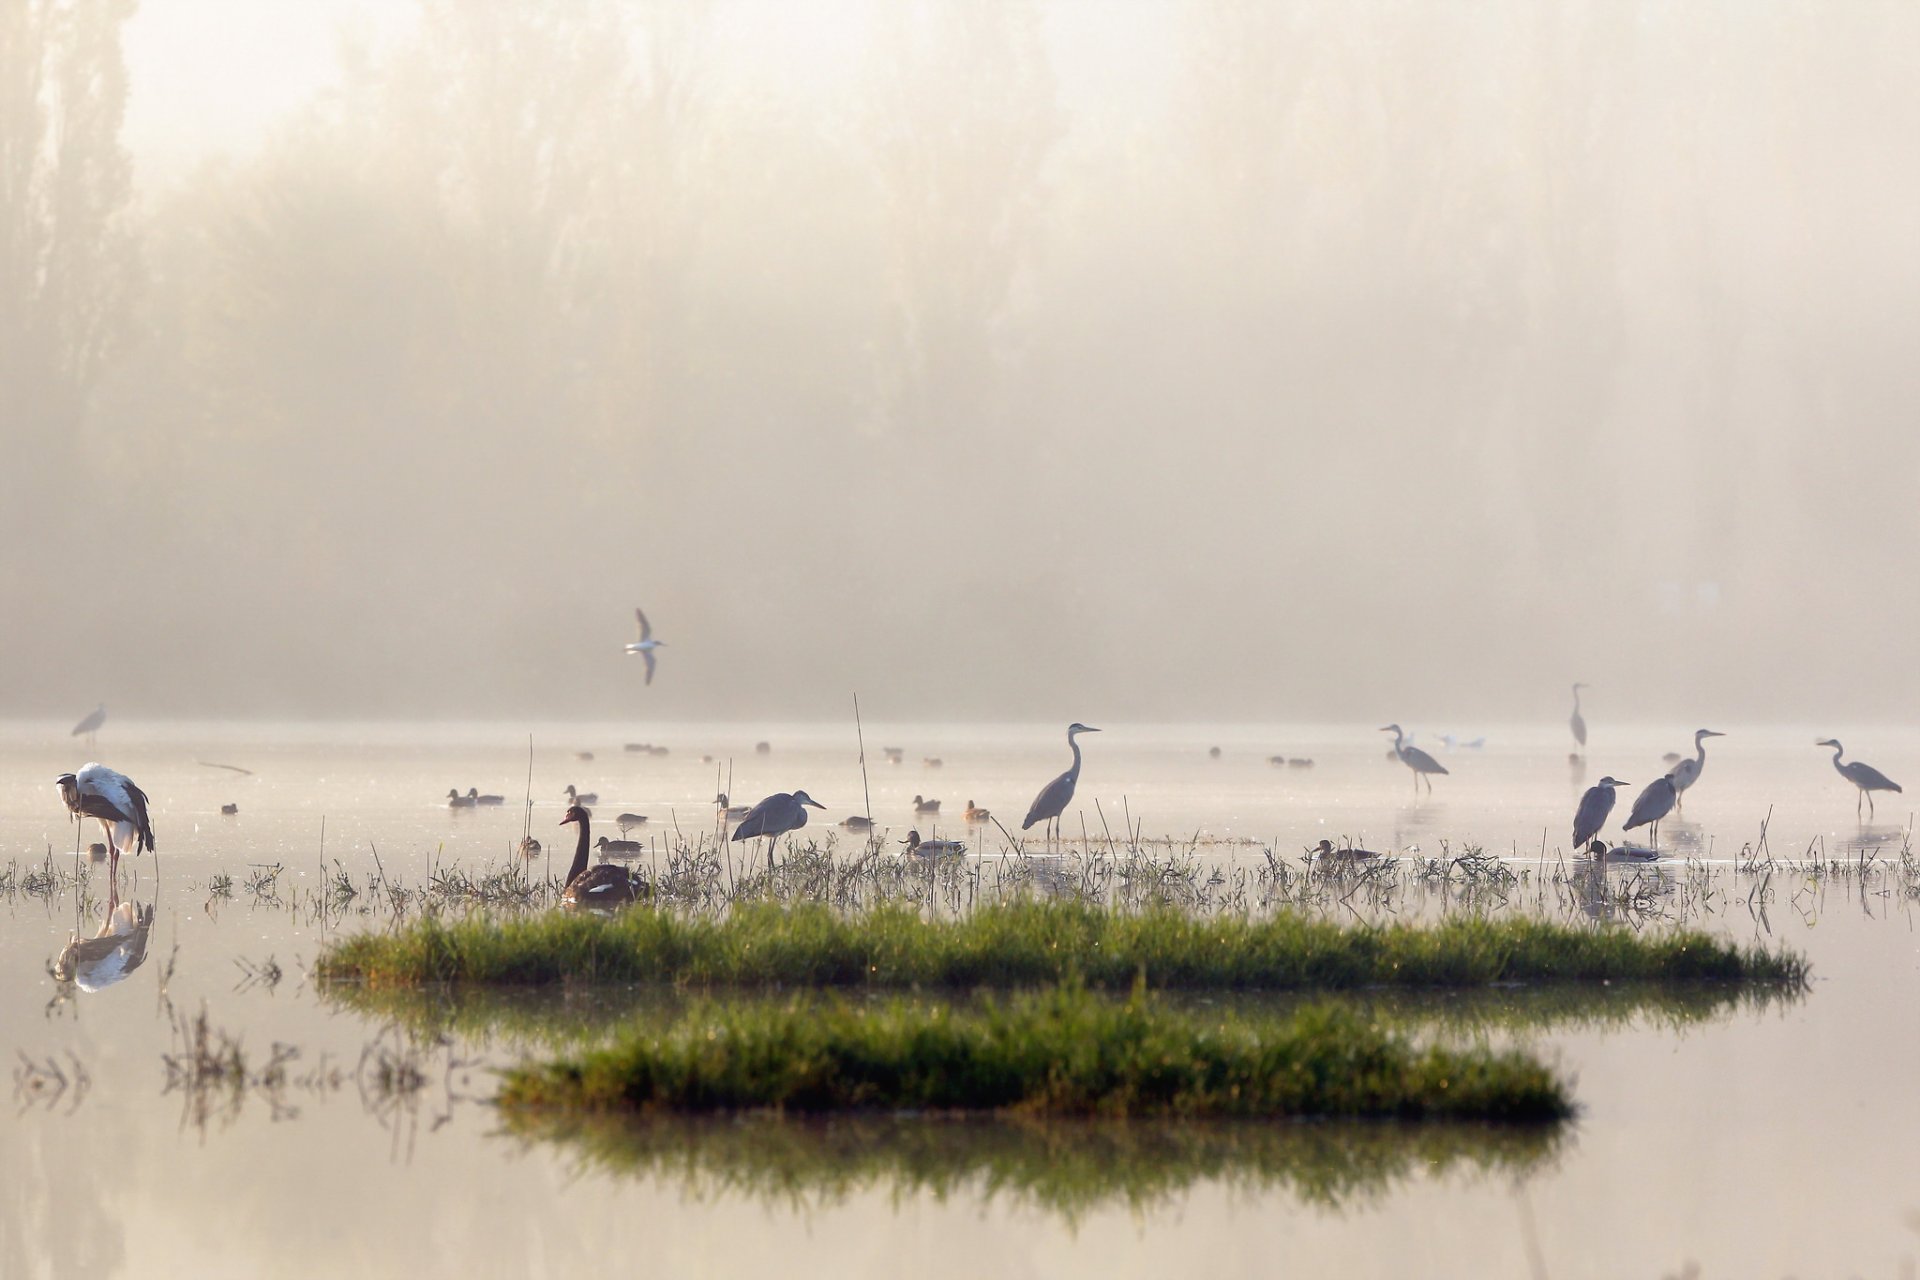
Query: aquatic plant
(1064,1051)
(1027,943)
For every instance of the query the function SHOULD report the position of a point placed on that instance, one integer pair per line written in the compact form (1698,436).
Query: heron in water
(1595,805)
(1863,776)
(1687,772)
(1056,795)
(1579,722)
(90,723)
(1414,758)
(773,817)
(646,644)
(110,796)
(1653,804)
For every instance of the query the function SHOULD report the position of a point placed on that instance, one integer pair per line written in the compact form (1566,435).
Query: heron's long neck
(579,854)
(1837,749)
(1399,747)
(1074,771)
(1699,749)
(1576,699)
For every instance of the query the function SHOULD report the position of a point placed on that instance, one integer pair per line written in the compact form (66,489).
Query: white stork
(111,796)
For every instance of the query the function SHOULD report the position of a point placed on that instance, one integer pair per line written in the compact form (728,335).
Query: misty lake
(1765,1137)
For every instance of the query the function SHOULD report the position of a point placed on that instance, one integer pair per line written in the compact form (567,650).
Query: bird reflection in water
(111,954)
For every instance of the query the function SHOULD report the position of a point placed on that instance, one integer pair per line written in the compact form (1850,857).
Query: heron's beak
(815,803)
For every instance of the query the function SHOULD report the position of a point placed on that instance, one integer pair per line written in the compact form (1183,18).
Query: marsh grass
(1030,943)
(1069,1168)
(1065,1051)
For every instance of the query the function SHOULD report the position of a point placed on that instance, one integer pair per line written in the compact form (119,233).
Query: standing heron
(1687,772)
(90,723)
(1653,804)
(773,817)
(1054,797)
(1414,758)
(1863,776)
(646,644)
(110,796)
(1593,810)
(1579,722)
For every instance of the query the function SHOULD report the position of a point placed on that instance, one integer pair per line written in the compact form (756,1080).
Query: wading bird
(1863,776)
(923,805)
(110,796)
(582,797)
(933,848)
(646,644)
(1652,804)
(90,723)
(1593,810)
(618,848)
(1579,722)
(1414,758)
(604,885)
(975,813)
(473,794)
(1687,772)
(773,817)
(1056,795)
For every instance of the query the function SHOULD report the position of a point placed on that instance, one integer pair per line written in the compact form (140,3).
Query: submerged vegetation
(1065,1051)
(1059,1166)
(1031,943)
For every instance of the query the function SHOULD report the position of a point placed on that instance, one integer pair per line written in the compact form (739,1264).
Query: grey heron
(604,885)
(933,848)
(1863,776)
(923,805)
(1414,758)
(773,817)
(582,798)
(976,814)
(90,723)
(1055,796)
(111,797)
(1579,722)
(646,644)
(1653,803)
(1687,772)
(1595,805)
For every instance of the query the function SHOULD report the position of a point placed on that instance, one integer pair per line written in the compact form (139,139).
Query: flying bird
(604,885)
(1578,723)
(1056,795)
(1653,803)
(646,644)
(773,817)
(90,723)
(110,796)
(1687,772)
(1414,758)
(1863,776)
(1595,805)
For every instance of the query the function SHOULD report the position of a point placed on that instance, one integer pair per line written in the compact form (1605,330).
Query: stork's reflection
(112,953)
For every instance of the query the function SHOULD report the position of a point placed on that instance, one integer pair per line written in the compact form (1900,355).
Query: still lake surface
(1770,1140)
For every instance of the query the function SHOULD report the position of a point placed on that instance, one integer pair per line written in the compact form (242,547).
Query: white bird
(1687,772)
(110,796)
(1414,758)
(90,723)
(1578,723)
(110,955)
(1863,776)
(646,644)
(1595,805)
(1056,795)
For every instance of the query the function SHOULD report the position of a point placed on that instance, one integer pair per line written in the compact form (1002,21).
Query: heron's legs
(1869,796)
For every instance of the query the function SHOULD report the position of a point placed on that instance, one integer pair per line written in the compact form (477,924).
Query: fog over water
(995,358)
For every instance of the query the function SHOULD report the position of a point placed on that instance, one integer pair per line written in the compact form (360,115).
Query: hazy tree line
(1377,354)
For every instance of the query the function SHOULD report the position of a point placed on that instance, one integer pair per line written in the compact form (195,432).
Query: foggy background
(994,358)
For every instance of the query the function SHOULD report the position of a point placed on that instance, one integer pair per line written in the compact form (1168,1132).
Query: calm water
(1770,1141)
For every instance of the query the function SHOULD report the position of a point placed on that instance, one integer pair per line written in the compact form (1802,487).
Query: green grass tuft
(1032,943)
(1064,1051)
